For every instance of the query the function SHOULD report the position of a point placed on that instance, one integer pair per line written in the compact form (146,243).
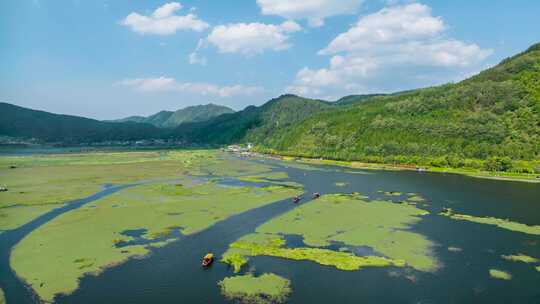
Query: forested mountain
(169,119)
(496,113)
(252,123)
(26,123)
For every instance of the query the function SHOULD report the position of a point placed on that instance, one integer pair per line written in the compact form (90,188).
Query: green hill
(494,115)
(354,99)
(26,123)
(169,119)
(253,123)
(159,118)
(197,113)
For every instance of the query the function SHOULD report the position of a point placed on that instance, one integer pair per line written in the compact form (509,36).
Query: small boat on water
(296,199)
(316,195)
(207,259)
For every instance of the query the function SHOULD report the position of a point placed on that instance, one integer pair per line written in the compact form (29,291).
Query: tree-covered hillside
(26,123)
(494,115)
(197,113)
(169,119)
(253,123)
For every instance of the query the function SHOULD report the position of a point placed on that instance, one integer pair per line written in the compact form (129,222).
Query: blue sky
(108,59)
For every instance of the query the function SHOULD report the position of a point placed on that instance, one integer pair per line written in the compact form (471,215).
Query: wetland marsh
(119,227)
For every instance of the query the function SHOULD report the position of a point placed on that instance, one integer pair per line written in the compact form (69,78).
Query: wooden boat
(207,259)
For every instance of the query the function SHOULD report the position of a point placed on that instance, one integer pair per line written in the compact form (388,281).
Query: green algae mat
(348,220)
(157,208)
(265,289)
(500,274)
(501,223)
(40,183)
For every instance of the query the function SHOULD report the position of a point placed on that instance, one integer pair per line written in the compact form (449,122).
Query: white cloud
(388,26)
(163,21)
(252,38)
(167,84)
(315,11)
(194,57)
(396,48)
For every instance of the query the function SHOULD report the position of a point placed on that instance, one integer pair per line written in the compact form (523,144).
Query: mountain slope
(496,113)
(169,119)
(354,99)
(159,118)
(253,123)
(17,121)
(197,113)
(137,119)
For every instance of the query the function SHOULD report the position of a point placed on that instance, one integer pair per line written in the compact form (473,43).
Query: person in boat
(207,259)
(296,199)
(316,195)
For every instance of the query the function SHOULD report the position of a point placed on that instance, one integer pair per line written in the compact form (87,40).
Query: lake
(172,274)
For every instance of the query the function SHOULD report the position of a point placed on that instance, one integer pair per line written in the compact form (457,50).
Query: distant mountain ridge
(170,119)
(20,122)
(253,123)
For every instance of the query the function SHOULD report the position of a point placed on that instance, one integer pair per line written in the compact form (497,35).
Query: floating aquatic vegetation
(501,223)
(340,184)
(146,206)
(268,288)
(341,260)
(416,198)
(235,260)
(520,258)
(351,220)
(266,177)
(42,183)
(83,263)
(499,274)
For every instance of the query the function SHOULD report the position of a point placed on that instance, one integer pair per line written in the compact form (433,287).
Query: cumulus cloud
(252,38)
(164,21)
(388,26)
(315,11)
(395,48)
(168,84)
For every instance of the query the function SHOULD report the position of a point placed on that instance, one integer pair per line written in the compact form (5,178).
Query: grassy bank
(476,171)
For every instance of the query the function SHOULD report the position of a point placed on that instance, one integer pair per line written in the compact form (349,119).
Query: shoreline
(496,175)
